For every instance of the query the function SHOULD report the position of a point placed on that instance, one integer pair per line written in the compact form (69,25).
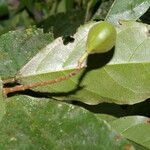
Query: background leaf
(3,8)
(127,10)
(102,10)
(17,20)
(135,128)
(18,47)
(38,123)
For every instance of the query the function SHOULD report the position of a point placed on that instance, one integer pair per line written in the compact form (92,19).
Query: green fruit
(101,38)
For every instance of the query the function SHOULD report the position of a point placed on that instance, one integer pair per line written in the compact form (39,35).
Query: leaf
(89,5)
(105,117)
(20,20)
(62,6)
(29,4)
(102,11)
(18,47)
(38,123)
(127,10)
(112,77)
(135,128)
(2,103)
(3,8)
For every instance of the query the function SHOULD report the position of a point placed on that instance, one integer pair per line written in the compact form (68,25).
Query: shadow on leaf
(94,61)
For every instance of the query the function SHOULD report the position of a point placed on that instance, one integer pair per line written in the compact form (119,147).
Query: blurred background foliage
(62,17)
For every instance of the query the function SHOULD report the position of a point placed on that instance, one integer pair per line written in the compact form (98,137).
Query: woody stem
(43,83)
(37,84)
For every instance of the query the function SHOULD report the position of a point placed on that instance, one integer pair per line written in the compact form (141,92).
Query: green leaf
(18,47)
(69,4)
(2,102)
(127,10)
(105,117)
(90,4)
(20,20)
(3,8)
(38,123)
(65,5)
(119,81)
(102,11)
(135,128)
(62,6)
(29,4)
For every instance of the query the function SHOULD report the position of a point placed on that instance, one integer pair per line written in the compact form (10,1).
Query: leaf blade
(117,76)
(56,125)
(130,126)
(127,10)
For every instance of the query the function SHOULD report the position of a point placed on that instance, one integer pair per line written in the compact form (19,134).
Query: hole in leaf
(67,39)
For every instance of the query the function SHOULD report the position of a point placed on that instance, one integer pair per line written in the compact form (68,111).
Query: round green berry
(101,38)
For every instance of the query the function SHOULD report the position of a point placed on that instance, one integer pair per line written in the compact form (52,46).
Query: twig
(43,83)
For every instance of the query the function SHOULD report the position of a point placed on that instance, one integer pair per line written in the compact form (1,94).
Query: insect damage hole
(67,39)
